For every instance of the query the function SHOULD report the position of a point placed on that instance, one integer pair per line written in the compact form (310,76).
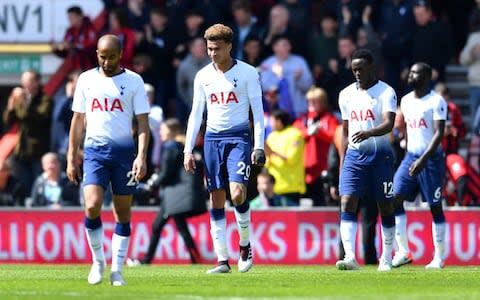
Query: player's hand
(416,167)
(139,168)
(189,163)
(73,172)
(258,157)
(360,136)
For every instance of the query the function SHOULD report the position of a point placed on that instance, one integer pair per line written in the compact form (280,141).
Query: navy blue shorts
(226,161)
(102,172)
(373,181)
(428,182)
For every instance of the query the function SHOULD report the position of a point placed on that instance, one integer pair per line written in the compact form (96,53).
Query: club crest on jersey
(235,80)
(122,88)
(362,115)
(223,98)
(107,105)
(417,123)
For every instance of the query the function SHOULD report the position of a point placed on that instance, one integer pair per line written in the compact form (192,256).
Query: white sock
(348,234)
(243,223)
(401,233)
(119,251)
(95,242)
(218,231)
(438,234)
(388,235)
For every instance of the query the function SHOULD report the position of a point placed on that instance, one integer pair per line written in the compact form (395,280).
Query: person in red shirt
(80,40)
(118,20)
(318,127)
(454,126)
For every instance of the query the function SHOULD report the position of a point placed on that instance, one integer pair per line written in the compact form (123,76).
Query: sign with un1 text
(39,21)
(278,237)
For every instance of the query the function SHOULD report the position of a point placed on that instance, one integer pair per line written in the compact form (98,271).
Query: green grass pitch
(262,282)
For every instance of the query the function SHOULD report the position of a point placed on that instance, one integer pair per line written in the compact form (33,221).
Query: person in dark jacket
(183,194)
(31,109)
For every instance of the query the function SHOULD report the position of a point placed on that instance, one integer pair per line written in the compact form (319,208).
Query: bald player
(106,100)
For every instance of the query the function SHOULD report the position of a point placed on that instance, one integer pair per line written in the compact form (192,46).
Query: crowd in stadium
(302,50)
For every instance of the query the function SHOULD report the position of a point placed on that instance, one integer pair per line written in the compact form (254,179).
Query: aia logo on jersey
(107,105)
(417,123)
(223,98)
(362,115)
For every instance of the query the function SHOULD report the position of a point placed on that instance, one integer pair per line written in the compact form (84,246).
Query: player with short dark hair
(423,168)
(228,88)
(368,109)
(106,100)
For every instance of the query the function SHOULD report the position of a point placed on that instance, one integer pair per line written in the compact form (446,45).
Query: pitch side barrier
(279,236)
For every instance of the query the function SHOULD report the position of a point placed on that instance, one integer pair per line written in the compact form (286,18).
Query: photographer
(183,194)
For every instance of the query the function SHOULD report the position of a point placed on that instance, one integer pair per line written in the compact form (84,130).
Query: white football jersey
(363,110)
(419,115)
(109,105)
(228,98)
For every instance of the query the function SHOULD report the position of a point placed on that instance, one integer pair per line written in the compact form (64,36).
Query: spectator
(11,189)
(339,73)
(293,68)
(118,20)
(155,118)
(52,188)
(300,14)
(454,126)
(470,57)
(318,127)
(188,68)
(244,25)
(432,41)
(279,25)
(158,43)
(138,14)
(193,26)
(252,51)
(322,47)
(183,194)
(395,28)
(61,118)
(367,38)
(284,148)
(266,196)
(79,41)
(32,110)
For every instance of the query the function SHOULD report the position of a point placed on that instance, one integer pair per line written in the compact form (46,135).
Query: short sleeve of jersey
(389,101)
(342,105)
(253,85)
(78,104)
(140,100)
(440,109)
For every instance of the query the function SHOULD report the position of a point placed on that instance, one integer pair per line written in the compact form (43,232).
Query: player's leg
(431,179)
(216,179)
(404,187)
(243,218)
(218,231)
(120,237)
(238,167)
(93,195)
(94,183)
(352,186)
(383,191)
(123,187)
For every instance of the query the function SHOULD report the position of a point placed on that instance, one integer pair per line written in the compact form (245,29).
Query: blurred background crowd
(302,50)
